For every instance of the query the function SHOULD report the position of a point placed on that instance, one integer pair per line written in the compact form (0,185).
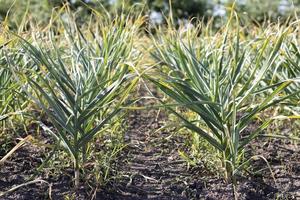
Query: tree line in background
(255,10)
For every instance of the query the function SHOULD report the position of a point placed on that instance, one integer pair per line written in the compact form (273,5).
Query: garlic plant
(82,85)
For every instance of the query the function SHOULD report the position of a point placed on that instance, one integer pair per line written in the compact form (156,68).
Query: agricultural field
(103,103)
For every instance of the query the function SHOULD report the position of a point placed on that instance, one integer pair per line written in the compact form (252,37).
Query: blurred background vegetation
(256,10)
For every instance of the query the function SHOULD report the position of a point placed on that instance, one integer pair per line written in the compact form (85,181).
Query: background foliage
(256,10)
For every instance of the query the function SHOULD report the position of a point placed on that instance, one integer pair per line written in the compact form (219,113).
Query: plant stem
(225,167)
(77,175)
(235,195)
(234,185)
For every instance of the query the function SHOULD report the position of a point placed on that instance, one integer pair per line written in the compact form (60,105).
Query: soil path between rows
(152,168)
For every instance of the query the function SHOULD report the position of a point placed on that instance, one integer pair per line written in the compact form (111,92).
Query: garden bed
(150,167)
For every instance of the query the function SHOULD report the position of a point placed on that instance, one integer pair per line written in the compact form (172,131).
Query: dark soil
(151,168)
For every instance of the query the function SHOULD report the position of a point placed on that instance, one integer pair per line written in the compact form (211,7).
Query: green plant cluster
(81,76)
